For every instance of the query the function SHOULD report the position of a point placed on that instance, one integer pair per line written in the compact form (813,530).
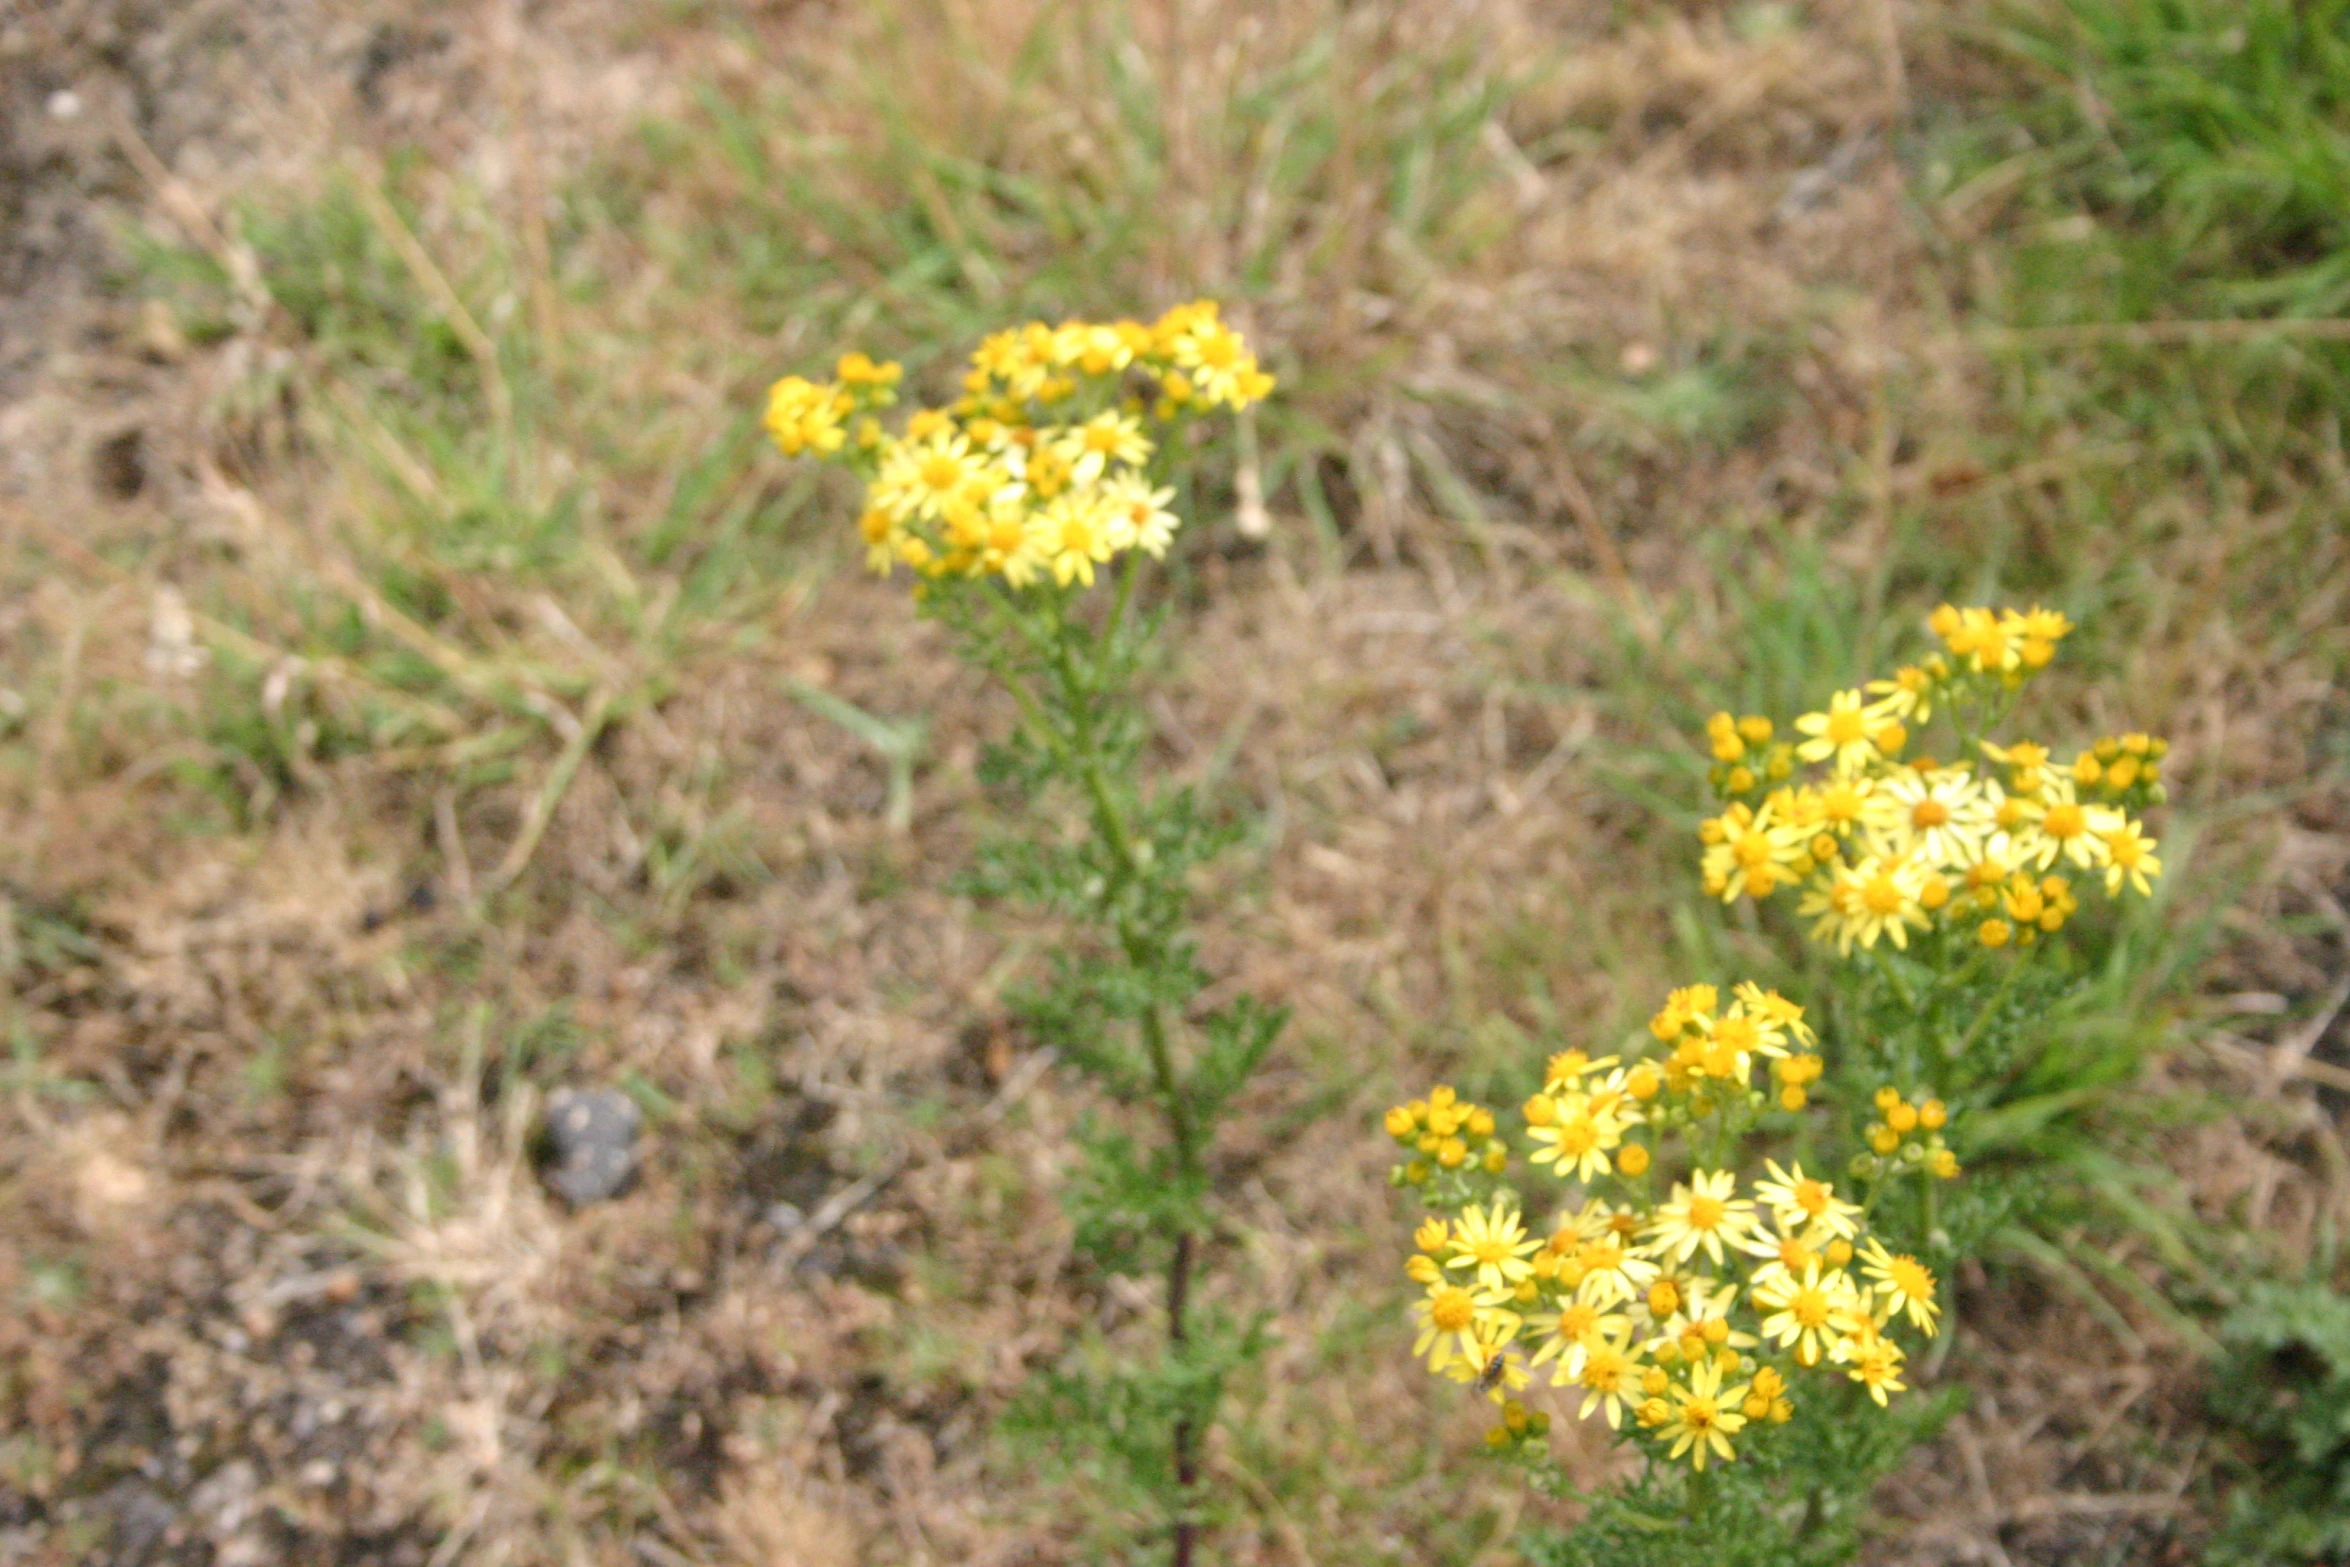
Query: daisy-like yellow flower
(1750,853)
(1580,1135)
(1454,1320)
(1705,1415)
(1492,1341)
(1139,515)
(1908,696)
(1012,548)
(1844,733)
(1904,1286)
(1568,1334)
(1072,536)
(2056,825)
(1612,1272)
(1776,1017)
(1808,1313)
(1610,1377)
(1108,437)
(2130,857)
(1705,1213)
(1221,368)
(1873,899)
(1492,1241)
(1874,1361)
(1940,818)
(1803,1206)
(920,477)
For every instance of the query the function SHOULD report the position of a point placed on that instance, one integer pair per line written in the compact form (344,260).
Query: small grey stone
(591,1143)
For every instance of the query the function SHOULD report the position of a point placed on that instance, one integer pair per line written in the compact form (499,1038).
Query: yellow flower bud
(1933,1114)
(1541,1110)
(1884,1139)
(1792,1098)
(1400,1124)
(1633,1159)
(1903,1118)
(1994,933)
(1755,729)
(1451,1153)
(1739,781)
(1944,1163)
(1839,1253)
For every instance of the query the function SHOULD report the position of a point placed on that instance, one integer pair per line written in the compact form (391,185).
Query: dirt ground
(285,1282)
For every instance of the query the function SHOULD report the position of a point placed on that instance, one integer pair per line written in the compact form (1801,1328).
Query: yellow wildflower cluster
(1883,845)
(1445,1132)
(1909,1137)
(1668,1298)
(1044,465)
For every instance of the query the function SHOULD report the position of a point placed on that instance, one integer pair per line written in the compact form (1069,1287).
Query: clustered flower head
(1676,1299)
(1880,846)
(1043,467)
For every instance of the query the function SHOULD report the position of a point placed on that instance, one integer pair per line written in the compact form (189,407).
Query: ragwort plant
(1753,1219)
(1018,510)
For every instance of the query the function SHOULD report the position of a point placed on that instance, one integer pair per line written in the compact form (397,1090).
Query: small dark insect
(1490,1378)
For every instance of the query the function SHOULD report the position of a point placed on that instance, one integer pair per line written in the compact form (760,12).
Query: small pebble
(65,104)
(591,1140)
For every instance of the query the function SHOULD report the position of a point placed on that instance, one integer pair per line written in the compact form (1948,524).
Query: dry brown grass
(290,1290)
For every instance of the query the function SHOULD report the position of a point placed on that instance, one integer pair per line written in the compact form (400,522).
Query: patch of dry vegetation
(398,633)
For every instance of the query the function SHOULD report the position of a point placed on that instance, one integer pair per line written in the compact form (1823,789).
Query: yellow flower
(1908,696)
(1453,1320)
(919,477)
(1488,1343)
(1801,1205)
(1875,1363)
(1703,1213)
(1808,1313)
(1221,368)
(1612,1271)
(1139,516)
(1092,349)
(1843,732)
(1776,1015)
(805,417)
(1863,902)
(1492,1241)
(1705,1415)
(1580,1135)
(1904,1285)
(1609,1377)
(1072,536)
(1108,437)
(1940,818)
(1569,1334)
(1751,852)
(2129,857)
(1690,1004)
(2057,826)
